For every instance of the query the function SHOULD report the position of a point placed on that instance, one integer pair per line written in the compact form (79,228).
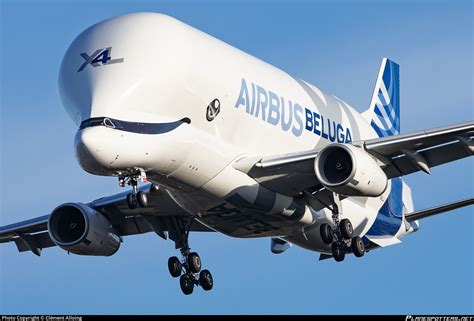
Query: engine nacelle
(79,229)
(349,170)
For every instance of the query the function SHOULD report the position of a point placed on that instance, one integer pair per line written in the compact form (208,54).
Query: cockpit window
(95,122)
(91,122)
(133,127)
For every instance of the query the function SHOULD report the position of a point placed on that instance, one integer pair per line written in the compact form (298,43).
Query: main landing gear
(136,198)
(189,268)
(189,272)
(341,238)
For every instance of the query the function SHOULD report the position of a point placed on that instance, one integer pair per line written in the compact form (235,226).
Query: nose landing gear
(136,198)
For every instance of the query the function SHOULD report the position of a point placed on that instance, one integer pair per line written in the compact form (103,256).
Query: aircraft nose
(92,151)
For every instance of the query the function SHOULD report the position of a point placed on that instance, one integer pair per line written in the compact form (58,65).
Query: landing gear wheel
(174,266)
(194,262)
(338,252)
(205,279)
(132,201)
(346,229)
(142,199)
(187,285)
(326,233)
(358,247)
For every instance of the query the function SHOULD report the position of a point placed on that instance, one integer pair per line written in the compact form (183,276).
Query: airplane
(211,139)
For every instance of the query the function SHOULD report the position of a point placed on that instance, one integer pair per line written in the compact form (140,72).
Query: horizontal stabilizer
(438,209)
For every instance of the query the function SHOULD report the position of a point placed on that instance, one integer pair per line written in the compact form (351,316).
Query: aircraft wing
(32,235)
(408,153)
(293,174)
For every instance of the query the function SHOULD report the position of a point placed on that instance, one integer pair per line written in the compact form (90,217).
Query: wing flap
(404,165)
(34,243)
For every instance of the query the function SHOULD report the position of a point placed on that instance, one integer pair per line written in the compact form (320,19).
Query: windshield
(134,127)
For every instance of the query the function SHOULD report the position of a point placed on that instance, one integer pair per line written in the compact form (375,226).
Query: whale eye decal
(213,109)
(109,123)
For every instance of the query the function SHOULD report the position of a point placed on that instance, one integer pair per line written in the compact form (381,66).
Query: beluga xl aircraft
(254,152)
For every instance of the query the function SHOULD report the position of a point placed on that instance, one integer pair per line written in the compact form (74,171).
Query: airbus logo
(290,116)
(98,58)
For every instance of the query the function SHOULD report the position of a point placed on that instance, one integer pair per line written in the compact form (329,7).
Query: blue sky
(336,45)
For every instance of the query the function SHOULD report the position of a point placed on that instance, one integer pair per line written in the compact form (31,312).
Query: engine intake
(348,170)
(79,229)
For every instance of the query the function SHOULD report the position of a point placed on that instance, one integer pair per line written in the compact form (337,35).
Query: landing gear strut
(189,268)
(340,237)
(136,198)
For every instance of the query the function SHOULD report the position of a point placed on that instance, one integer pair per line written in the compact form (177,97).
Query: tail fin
(384,111)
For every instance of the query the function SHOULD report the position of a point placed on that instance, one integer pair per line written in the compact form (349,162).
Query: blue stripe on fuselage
(389,217)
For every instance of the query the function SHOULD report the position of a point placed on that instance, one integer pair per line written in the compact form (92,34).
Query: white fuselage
(171,71)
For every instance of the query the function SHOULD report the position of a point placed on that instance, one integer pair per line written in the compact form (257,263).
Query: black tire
(187,285)
(205,279)
(194,262)
(142,199)
(346,229)
(358,247)
(132,201)
(338,252)
(326,233)
(174,266)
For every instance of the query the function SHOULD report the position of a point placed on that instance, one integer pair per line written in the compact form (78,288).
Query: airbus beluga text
(253,152)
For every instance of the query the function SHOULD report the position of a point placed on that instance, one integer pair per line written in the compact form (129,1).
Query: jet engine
(349,170)
(79,229)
